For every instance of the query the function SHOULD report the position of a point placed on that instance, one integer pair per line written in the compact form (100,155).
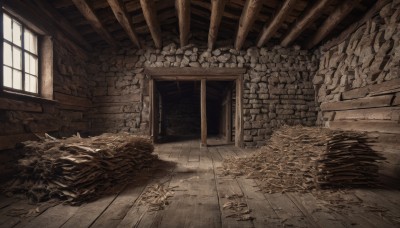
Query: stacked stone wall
(277,85)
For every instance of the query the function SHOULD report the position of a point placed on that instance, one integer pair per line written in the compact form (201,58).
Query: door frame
(202,75)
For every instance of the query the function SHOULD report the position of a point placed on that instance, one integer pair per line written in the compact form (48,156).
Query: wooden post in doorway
(151,93)
(239,113)
(228,116)
(153,110)
(203,107)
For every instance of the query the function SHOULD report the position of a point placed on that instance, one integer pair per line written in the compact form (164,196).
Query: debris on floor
(298,158)
(237,207)
(156,196)
(77,170)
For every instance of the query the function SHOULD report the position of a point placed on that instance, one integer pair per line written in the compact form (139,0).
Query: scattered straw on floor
(77,169)
(237,208)
(303,158)
(156,196)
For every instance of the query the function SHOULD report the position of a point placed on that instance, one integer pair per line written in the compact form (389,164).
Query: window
(20,57)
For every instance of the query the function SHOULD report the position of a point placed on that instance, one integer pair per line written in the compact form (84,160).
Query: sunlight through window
(20,56)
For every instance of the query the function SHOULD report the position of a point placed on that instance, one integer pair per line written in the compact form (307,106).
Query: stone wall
(358,83)
(277,86)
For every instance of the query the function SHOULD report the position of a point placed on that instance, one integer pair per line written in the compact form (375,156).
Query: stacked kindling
(80,169)
(303,158)
(348,160)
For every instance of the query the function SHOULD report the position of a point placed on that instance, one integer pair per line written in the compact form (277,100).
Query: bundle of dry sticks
(301,158)
(79,169)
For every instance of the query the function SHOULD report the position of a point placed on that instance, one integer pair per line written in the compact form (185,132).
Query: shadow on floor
(212,140)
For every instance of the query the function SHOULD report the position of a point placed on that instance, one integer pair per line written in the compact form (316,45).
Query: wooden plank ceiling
(241,23)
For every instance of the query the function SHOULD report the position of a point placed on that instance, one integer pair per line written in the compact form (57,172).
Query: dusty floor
(186,189)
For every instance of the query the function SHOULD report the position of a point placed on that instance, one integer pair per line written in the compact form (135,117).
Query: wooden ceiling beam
(270,29)
(308,17)
(346,33)
(217,10)
(150,15)
(331,22)
(247,19)
(63,24)
(90,15)
(183,12)
(207,5)
(123,18)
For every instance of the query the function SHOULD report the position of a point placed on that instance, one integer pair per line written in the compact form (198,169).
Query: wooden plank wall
(376,109)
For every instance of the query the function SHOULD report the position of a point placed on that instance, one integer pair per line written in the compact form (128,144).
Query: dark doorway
(179,108)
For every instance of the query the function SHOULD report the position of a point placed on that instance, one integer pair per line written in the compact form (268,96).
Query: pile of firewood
(303,158)
(348,160)
(79,169)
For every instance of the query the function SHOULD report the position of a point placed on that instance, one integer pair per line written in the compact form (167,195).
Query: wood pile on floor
(298,158)
(79,169)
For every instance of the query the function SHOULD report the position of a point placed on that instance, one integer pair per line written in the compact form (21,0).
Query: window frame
(24,74)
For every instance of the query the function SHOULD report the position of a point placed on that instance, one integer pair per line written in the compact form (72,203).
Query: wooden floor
(200,193)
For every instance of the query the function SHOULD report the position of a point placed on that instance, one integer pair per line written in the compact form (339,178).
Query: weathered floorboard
(201,193)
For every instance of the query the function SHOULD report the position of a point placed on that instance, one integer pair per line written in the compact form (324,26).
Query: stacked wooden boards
(78,169)
(304,158)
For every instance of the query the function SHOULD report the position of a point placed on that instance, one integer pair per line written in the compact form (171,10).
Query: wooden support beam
(87,11)
(122,16)
(177,71)
(203,107)
(308,17)
(228,116)
(270,29)
(247,19)
(152,107)
(63,24)
(332,21)
(346,33)
(183,12)
(217,9)
(239,113)
(150,14)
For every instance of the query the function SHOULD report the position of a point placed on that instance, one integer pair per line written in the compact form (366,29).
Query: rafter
(150,15)
(346,33)
(63,24)
(270,29)
(310,16)
(122,16)
(90,15)
(217,9)
(247,19)
(332,21)
(183,12)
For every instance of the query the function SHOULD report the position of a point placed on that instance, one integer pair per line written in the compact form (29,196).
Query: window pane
(7,54)
(27,37)
(27,84)
(7,72)
(7,27)
(17,79)
(17,58)
(33,66)
(33,84)
(27,63)
(30,42)
(16,33)
(31,63)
